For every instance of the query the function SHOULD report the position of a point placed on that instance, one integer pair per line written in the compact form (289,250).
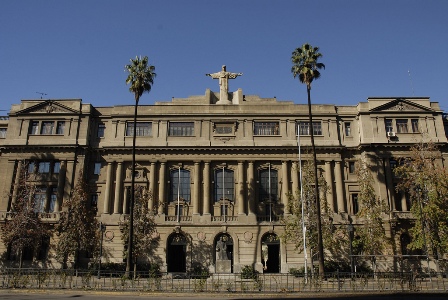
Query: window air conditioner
(391,134)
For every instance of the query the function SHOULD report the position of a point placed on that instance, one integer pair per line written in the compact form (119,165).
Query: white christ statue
(224,77)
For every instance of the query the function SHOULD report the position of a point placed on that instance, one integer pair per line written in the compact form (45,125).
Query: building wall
(97,141)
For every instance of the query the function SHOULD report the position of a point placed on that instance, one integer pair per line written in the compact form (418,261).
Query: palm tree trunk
(320,247)
(131,205)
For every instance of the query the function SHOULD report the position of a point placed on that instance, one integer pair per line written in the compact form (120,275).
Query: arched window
(268,187)
(179,185)
(224,185)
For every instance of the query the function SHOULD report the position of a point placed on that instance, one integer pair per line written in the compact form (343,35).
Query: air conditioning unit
(391,134)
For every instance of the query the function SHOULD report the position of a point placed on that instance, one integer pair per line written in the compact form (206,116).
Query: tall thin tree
(140,78)
(306,67)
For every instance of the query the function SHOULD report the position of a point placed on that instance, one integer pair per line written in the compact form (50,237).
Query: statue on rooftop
(224,77)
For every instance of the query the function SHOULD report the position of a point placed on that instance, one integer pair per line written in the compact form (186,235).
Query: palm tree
(306,67)
(141,77)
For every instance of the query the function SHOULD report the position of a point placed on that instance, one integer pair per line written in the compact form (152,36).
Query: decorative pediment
(48,107)
(400,105)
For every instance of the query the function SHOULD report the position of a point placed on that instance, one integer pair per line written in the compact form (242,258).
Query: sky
(78,49)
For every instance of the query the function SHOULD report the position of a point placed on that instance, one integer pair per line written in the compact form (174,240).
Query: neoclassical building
(216,168)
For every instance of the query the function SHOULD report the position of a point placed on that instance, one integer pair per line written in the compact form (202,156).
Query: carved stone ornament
(402,106)
(248,236)
(201,236)
(109,235)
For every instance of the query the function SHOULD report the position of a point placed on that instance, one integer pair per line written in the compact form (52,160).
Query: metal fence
(264,283)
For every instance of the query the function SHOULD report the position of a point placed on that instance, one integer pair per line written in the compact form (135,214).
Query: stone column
(69,169)
(329,180)
(390,193)
(404,204)
(106,208)
(295,190)
(339,186)
(16,182)
(206,180)
(126,199)
(152,186)
(251,188)
(285,185)
(61,184)
(118,184)
(240,195)
(161,203)
(196,188)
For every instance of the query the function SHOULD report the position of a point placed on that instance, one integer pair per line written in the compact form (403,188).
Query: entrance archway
(270,253)
(176,253)
(225,240)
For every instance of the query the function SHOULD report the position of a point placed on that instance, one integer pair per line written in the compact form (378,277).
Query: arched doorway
(270,253)
(223,245)
(176,253)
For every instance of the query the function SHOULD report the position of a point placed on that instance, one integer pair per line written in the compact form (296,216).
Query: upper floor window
(304,128)
(351,167)
(97,168)
(2,133)
(388,125)
(224,185)
(44,167)
(347,129)
(100,130)
(53,198)
(402,125)
(94,200)
(47,127)
(414,125)
(266,128)
(180,185)
(142,129)
(268,187)
(34,128)
(181,129)
(40,199)
(56,167)
(355,204)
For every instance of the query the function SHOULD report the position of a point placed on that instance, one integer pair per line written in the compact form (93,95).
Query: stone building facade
(216,171)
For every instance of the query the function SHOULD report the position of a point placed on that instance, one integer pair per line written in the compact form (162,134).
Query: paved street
(93,295)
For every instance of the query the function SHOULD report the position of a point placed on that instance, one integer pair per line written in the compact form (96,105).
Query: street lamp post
(351,229)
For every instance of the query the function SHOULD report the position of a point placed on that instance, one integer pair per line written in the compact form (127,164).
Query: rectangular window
(402,126)
(31,167)
(39,199)
(304,128)
(53,198)
(94,200)
(34,128)
(266,128)
(351,167)
(181,129)
(47,127)
(2,133)
(388,125)
(143,129)
(223,128)
(224,185)
(97,168)
(56,167)
(414,124)
(347,128)
(44,167)
(100,130)
(60,127)
(355,203)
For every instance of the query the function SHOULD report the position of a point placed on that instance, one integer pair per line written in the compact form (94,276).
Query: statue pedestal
(223,266)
